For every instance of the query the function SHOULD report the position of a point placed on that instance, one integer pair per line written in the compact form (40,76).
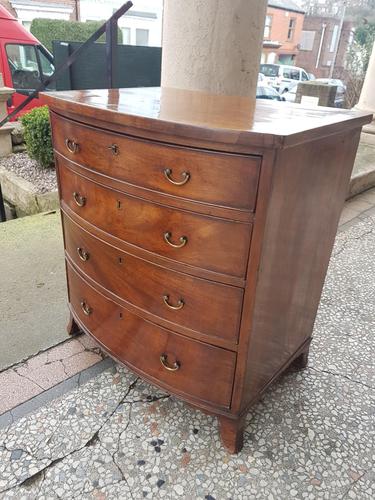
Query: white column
(367,98)
(367,101)
(213,45)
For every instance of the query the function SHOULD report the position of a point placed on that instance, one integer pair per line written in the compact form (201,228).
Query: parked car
(332,81)
(340,92)
(282,77)
(24,62)
(264,91)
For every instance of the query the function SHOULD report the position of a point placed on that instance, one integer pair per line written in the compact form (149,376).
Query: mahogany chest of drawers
(198,233)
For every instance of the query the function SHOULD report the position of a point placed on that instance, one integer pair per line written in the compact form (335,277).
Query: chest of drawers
(198,233)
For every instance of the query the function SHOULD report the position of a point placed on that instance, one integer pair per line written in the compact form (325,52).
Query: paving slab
(33,296)
(310,437)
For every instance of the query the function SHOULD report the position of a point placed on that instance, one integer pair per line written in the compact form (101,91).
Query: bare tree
(354,73)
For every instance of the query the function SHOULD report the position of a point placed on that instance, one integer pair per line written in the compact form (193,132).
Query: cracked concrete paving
(310,437)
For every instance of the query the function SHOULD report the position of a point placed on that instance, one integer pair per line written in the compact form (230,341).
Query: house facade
(27,10)
(282,32)
(319,39)
(142,25)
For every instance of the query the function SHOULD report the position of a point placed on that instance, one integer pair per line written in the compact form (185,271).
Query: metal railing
(110,29)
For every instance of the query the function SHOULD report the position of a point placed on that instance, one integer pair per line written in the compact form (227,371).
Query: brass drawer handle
(164,361)
(183,240)
(80,200)
(115,149)
(180,303)
(168,173)
(72,146)
(86,308)
(83,255)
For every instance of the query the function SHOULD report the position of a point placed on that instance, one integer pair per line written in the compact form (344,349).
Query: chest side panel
(309,186)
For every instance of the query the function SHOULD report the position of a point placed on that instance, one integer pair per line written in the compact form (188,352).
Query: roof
(285,5)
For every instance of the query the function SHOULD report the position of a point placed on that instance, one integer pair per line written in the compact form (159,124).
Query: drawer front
(193,303)
(216,178)
(202,241)
(185,366)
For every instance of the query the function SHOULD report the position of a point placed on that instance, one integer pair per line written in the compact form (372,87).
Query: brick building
(319,39)
(27,10)
(282,32)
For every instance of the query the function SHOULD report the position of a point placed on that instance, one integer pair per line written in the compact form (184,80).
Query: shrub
(37,132)
(47,30)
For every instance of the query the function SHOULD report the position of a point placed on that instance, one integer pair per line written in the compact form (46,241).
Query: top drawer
(222,179)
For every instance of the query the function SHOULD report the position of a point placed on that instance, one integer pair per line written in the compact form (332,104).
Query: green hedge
(37,133)
(47,30)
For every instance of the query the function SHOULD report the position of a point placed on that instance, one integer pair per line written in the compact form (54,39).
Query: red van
(24,62)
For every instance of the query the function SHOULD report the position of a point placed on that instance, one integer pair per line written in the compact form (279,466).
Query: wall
(288,49)
(308,58)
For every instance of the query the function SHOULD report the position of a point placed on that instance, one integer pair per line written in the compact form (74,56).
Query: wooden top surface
(201,116)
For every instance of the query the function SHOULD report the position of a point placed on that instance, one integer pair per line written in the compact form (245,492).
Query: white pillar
(367,98)
(213,45)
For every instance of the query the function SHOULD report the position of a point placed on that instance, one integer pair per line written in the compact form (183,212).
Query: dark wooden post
(111,49)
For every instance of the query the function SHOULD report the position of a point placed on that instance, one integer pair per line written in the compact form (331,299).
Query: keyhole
(120,260)
(119,204)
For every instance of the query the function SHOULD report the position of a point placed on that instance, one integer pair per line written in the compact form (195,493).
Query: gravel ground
(44,180)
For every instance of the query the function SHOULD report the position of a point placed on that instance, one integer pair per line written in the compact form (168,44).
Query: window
(271,57)
(269,70)
(141,37)
(23,66)
(305,76)
(267,27)
(29,65)
(46,66)
(294,74)
(26,24)
(291,73)
(335,33)
(126,36)
(291,28)
(307,40)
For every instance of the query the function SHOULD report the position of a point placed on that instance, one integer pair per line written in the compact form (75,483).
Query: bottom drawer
(185,367)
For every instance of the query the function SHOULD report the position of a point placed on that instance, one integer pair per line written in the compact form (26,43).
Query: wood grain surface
(139,344)
(145,285)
